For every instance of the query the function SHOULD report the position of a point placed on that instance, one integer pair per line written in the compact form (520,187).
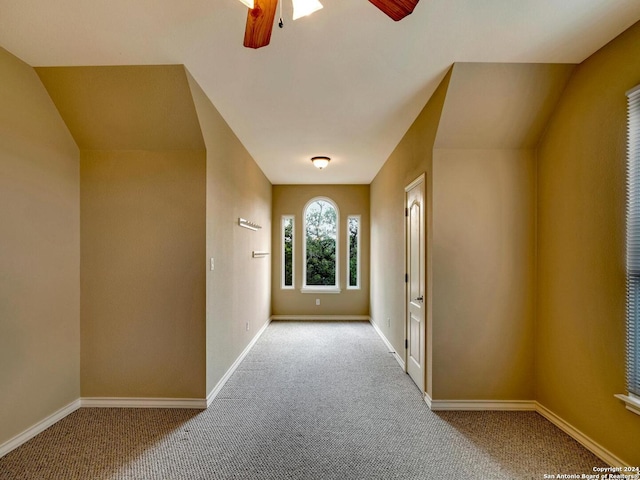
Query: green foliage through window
(353,224)
(321,225)
(287,238)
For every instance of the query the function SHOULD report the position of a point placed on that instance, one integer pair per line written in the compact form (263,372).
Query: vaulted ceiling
(345,82)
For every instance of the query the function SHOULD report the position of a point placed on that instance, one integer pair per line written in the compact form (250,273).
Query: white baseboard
(214,393)
(39,427)
(198,403)
(479,405)
(528,405)
(591,445)
(323,318)
(389,346)
(126,402)
(139,402)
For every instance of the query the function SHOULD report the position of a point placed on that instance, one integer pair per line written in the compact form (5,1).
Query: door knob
(420,298)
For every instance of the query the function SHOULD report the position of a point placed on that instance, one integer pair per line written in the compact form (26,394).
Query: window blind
(633,241)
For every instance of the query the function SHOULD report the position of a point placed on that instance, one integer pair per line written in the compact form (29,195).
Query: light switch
(317,301)
(212,264)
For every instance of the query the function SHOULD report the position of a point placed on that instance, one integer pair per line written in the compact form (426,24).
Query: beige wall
(500,105)
(143,216)
(40,253)
(291,200)
(484,228)
(412,157)
(580,341)
(480,228)
(155,207)
(143,278)
(125,107)
(483,274)
(155,324)
(239,288)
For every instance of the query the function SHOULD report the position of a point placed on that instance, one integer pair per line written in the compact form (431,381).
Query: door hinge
(406,211)
(406,344)
(406,278)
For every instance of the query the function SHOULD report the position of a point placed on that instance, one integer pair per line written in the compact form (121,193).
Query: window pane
(320,236)
(287,253)
(353,225)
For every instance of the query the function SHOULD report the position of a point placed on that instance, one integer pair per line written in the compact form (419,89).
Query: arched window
(320,246)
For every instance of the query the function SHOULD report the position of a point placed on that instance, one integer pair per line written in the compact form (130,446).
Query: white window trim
(357,285)
(320,288)
(632,402)
(293,252)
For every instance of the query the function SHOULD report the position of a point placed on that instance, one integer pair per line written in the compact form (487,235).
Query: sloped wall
(40,253)
(484,228)
(143,218)
(412,157)
(474,140)
(238,290)
(580,341)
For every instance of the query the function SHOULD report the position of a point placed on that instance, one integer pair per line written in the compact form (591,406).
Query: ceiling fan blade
(260,23)
(396,9)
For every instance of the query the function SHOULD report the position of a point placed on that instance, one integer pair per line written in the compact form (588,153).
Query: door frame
(420,179)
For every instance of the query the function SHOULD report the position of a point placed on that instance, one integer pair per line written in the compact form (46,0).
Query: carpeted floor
(310,401)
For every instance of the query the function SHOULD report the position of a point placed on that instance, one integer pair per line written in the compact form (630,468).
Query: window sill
(320,290)
(632,402)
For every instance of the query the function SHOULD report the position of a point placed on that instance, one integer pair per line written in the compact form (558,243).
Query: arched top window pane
(321,246)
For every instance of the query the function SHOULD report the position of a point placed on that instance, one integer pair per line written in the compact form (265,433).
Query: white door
(415,258)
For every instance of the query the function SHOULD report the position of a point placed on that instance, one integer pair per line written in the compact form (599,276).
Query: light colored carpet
(310,401)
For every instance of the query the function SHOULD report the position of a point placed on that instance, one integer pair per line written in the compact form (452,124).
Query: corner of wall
(40,254)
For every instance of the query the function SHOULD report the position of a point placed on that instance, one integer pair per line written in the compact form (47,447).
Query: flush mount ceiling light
(320,162)
(262,13)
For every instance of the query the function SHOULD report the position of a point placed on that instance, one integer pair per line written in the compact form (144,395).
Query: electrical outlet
(212,264)
(247,326)
(317,301)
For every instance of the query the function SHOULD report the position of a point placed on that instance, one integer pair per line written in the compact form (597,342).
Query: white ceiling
(345,82)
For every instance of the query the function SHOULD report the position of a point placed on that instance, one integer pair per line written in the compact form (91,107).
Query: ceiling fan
(262,14)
